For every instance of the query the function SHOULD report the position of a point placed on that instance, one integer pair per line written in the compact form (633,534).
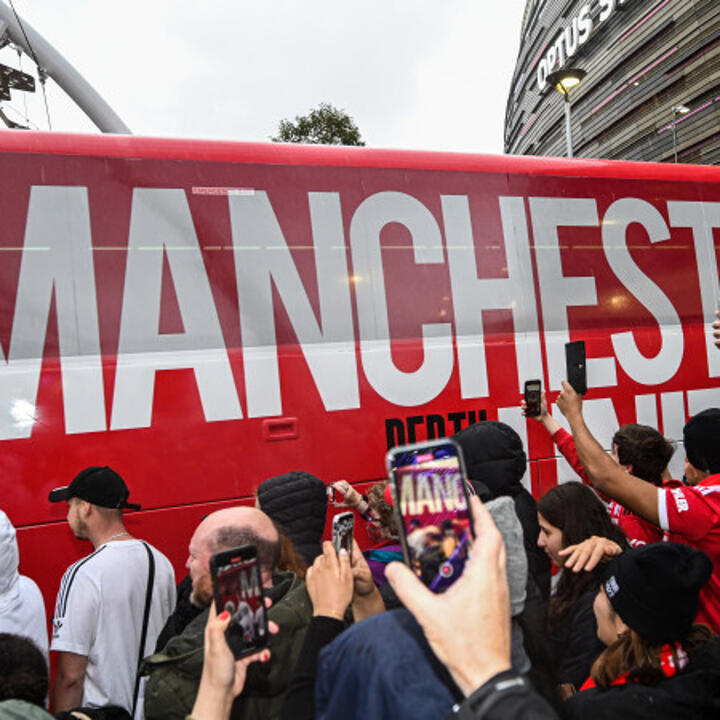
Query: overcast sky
(412,73)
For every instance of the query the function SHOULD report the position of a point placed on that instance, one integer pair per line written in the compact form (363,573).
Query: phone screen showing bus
(238,590)
(431,502)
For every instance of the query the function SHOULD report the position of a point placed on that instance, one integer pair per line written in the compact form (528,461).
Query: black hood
(494,457)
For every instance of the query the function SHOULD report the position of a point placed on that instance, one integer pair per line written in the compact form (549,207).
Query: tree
(323,125)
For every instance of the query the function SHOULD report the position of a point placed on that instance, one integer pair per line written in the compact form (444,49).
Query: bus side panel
(202,325)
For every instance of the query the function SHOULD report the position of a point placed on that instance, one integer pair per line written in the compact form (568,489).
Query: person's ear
(620,626)
(693,475)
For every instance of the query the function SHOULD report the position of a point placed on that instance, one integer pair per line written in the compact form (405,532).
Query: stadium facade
(643,59)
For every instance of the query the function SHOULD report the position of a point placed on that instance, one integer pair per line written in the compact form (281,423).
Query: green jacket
(175,672)
(21,710)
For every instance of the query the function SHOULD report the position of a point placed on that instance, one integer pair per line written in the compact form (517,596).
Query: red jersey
(637,530)
(691,515)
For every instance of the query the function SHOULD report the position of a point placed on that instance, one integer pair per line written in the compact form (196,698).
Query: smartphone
(238,589)
(533,407)
(431,502)
(342,532)
(575,364)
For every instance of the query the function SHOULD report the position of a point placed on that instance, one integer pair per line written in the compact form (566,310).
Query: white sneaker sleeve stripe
(662,509)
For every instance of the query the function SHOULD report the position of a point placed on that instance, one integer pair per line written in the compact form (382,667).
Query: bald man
(255,527)
(175,671)
(226,529)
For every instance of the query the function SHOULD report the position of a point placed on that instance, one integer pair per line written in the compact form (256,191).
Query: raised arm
(606,475)
(562,439)
(544,418)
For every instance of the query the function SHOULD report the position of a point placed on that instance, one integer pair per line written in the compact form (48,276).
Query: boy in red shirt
(638,449)
(689,515)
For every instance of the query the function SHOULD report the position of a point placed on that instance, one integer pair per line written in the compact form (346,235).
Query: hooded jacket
(297,501)
(22,609)
(495,461)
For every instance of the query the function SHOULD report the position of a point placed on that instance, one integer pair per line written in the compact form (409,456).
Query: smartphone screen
(238,589)
(342,531)
(532,398)
(431,500)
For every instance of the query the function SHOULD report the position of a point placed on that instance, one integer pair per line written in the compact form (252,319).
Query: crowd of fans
(600,600)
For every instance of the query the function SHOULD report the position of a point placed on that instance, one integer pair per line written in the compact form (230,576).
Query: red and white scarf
(667,666)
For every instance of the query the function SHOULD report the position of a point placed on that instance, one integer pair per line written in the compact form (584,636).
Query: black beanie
(297,501)
(701,436)
(655,588)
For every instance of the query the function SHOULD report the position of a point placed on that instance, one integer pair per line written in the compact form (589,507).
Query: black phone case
(533,409)
(239,650)
(576,366)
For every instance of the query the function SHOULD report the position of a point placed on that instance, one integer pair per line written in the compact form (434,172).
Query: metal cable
(42,73)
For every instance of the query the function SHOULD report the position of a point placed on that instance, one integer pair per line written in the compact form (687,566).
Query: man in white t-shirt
(101,603)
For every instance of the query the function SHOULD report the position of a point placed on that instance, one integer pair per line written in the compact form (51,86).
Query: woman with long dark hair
(569,514)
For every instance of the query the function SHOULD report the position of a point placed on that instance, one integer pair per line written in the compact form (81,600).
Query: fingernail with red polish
(224,615)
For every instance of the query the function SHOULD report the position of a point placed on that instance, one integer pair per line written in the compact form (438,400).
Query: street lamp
(677,110)
(563,81)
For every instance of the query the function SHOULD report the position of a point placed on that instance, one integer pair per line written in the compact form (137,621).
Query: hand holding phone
(329,583)
(223,677)
(342,494)
(476,607)
(237,588)
(431,502)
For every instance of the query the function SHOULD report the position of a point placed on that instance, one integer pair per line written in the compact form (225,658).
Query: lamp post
(677,110)
(563,81)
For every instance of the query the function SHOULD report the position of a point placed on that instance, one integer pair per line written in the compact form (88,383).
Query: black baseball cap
(97,485)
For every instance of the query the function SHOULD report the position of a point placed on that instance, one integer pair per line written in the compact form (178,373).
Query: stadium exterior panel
(644,59)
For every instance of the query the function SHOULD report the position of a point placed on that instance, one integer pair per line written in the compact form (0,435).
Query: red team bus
(204,315)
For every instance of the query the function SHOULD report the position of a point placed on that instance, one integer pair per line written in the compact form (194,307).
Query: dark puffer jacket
(297,501)
(574,646)
(495,460)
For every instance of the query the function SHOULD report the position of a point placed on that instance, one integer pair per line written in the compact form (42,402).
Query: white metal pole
(64,74)
(568,128)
